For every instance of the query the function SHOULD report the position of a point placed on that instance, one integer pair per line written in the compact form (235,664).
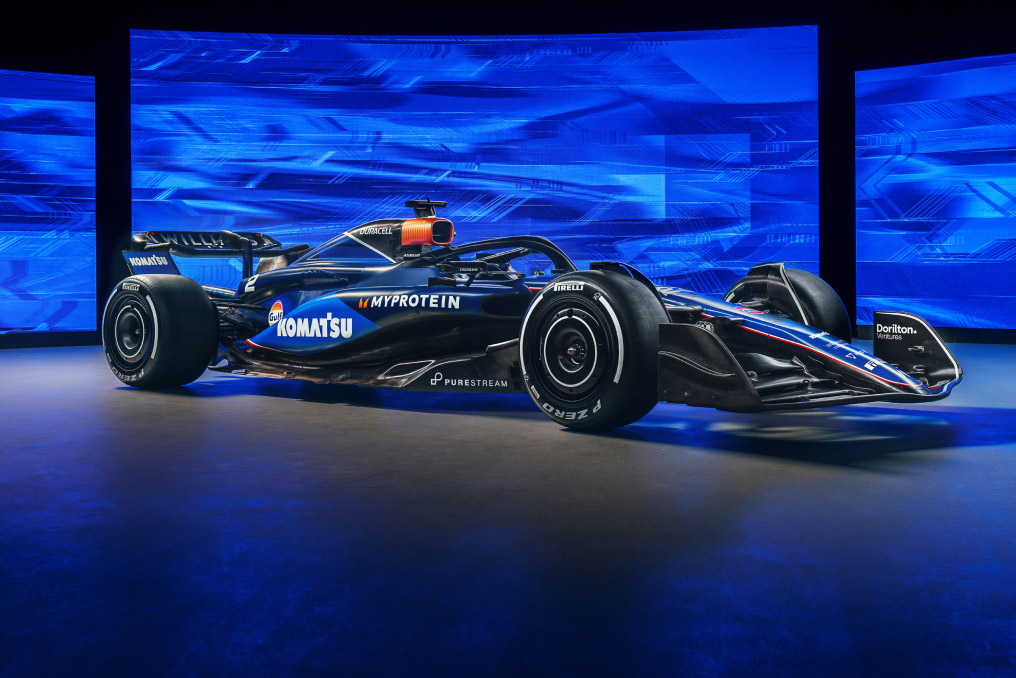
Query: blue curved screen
(47,202)
(936,192)
(692,155)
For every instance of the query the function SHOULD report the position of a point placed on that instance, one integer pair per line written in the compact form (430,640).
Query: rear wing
(150,251)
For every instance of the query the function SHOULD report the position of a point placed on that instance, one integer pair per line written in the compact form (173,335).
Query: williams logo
(892,332)
(327,327)
(275,315)
(410,301)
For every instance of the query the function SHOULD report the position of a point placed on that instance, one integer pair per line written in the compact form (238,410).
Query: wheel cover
(128,334)
(571,350)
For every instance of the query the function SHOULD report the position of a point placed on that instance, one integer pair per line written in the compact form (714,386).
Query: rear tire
(589,350)
(159,330)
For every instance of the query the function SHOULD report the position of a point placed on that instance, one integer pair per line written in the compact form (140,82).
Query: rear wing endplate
(150,262)
(150,252)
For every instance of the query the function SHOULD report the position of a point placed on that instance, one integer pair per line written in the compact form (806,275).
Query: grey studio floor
(245,526)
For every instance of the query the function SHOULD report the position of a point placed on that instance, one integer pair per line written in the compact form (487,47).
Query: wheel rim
(128,333)
(131,333)
(569,350)
(572,351)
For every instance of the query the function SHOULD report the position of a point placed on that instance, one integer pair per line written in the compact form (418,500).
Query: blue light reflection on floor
(254,525)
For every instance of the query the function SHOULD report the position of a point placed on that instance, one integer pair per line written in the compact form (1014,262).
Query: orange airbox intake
(427,231)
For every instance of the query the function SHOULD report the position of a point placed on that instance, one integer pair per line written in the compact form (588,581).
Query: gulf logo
(275,315)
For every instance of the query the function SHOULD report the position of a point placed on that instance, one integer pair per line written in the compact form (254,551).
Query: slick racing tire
(589,349)
(823,308)
(159,330)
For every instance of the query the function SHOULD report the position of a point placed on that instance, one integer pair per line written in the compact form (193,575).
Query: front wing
(698,368)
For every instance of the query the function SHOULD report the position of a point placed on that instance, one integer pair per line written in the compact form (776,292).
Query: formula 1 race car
(393,303)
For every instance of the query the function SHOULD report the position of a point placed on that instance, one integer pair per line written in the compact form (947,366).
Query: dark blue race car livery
(392,303)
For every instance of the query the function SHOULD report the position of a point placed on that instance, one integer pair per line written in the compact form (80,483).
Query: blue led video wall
(692,155)
(47,202)
(936,192)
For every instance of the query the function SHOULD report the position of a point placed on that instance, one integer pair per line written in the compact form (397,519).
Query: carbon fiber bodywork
(392,304)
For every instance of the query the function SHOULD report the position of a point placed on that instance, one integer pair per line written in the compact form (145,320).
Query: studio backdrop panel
(692,155)
(936,192)
(47,202)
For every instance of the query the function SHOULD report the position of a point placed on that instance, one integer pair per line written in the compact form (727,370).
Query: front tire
(159,330)
(589,349)
(817,304)
(824,308)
